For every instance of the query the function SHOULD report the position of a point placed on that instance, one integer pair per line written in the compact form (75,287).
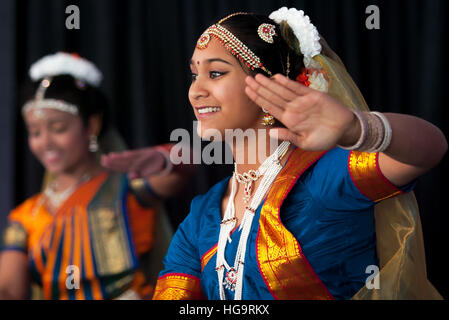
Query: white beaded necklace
(269,169)
(57,198)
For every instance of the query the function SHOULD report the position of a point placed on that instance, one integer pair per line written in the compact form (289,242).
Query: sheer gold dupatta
(400,245)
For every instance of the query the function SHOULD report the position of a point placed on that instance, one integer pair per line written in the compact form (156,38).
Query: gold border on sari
(366,175)
(178,286)
(284,268)
(207,256)
(109,234)
(15,236)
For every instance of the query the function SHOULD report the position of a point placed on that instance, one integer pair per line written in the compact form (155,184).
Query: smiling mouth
(51,156)
(205,110)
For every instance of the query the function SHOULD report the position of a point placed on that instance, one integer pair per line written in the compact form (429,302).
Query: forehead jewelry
(232,44)
(266,32)
(231,15)
(39,104)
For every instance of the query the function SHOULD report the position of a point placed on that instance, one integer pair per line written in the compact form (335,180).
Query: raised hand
(139,163)
(314,121)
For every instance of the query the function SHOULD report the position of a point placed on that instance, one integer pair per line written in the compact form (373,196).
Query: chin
(53,169)
(210,132)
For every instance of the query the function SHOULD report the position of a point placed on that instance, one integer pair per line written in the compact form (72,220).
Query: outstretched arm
(315,121)
(152,164)
(416,147)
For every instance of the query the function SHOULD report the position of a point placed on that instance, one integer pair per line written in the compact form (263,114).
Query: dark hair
(273,55)
(89,100)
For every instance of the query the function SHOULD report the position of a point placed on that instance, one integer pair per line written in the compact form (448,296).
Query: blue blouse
(330,218)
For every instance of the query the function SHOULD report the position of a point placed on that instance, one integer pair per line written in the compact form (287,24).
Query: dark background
(143,48)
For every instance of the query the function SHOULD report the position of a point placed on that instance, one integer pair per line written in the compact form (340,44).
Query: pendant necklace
(231,277)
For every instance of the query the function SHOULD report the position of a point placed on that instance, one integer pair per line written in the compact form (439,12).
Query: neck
(73,175)
(250,153)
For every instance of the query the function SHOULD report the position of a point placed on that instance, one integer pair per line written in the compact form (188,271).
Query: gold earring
(268,119)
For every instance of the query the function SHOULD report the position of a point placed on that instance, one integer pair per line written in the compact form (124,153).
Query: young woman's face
(59,140)
(217,92)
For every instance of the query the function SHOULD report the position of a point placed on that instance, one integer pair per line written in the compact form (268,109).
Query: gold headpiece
(234,45)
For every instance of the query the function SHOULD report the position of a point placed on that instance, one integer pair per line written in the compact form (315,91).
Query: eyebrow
(209,61)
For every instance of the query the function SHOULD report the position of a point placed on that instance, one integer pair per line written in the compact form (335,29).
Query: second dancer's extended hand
(139,163)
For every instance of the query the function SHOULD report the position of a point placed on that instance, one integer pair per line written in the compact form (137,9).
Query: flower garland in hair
(64,63)
(303,78)
(309,45)
(316,80)
(305,32)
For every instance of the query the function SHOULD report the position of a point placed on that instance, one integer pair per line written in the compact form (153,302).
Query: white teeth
(51,154)
(209,110)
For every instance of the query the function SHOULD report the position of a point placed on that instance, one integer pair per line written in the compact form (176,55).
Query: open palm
(314,121)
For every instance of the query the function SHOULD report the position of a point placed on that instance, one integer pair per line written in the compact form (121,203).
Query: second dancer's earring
(93,144)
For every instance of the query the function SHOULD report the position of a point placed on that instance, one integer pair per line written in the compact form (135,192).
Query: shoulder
(328,169)
(20,222)
(211,198)
(25,208)
(204,210)
(333,159)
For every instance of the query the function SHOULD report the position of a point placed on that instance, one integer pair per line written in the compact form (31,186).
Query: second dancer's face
(217,92)
(58,139)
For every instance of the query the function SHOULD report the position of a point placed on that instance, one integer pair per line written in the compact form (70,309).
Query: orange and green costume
(92,247)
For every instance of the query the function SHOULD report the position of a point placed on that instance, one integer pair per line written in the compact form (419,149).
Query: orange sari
(91,246)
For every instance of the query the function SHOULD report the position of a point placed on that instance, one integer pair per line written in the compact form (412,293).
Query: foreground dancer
(330,207)
(91,233)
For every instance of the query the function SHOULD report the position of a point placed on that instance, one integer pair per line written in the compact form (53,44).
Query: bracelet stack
(376,132)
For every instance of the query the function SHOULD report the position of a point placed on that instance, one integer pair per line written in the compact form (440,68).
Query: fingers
(138,163)
(271,108)
(147,164)
(293,86)
(283,134)
(115,162)
(269,90)
(276,87)
(275,95)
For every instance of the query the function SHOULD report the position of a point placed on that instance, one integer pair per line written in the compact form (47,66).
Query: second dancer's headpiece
(44,70)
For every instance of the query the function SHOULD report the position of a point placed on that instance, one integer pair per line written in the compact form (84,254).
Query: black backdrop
(143,48)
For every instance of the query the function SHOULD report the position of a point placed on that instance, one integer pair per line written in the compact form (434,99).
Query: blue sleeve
(183,255)
(345,181)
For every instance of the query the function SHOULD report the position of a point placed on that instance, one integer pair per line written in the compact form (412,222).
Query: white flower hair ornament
(309,43)
(61,63)
(64,63)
